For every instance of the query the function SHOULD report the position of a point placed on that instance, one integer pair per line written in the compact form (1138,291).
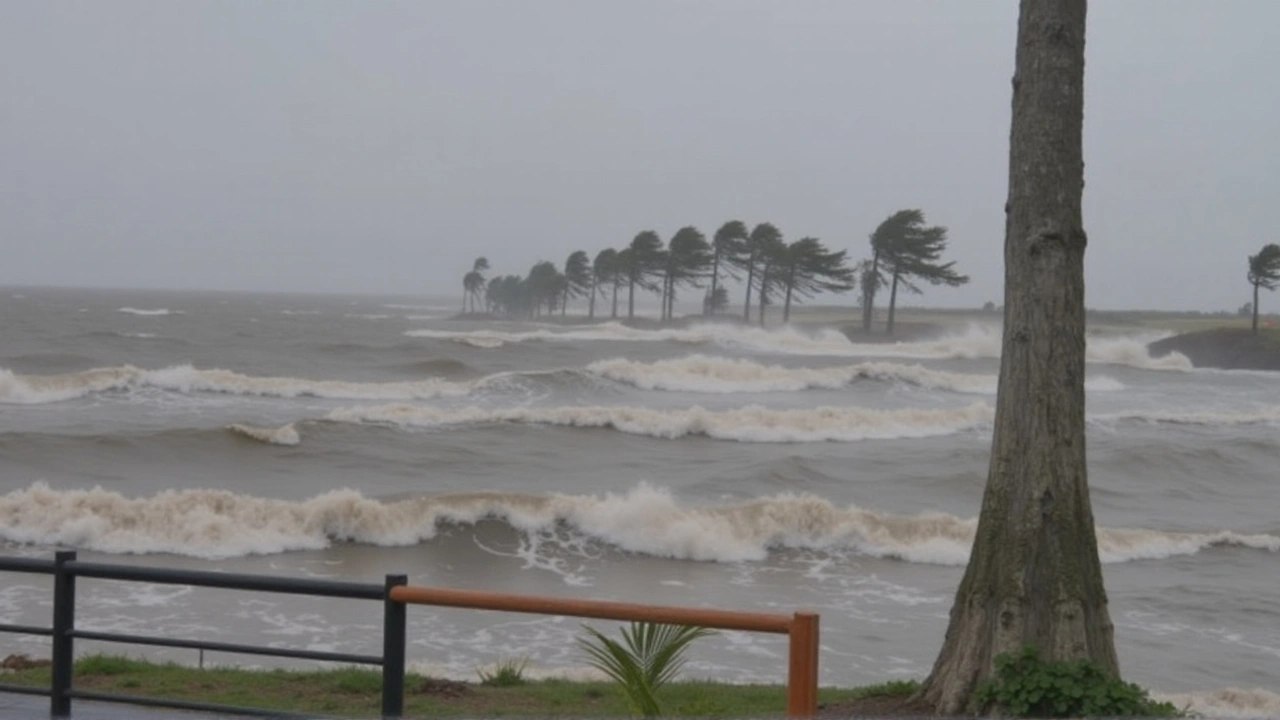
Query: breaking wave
(1226,703)
(748,424)
(40,389)
(141,311)
(283,435)
(1170,417)
(707,374)
(645,520)
(977,341)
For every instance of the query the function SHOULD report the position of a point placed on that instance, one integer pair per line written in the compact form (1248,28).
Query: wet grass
(356,692)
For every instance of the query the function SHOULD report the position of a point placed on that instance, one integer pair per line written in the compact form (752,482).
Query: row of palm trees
(774,271)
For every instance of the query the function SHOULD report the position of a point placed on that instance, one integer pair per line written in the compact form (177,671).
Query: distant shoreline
(904,331)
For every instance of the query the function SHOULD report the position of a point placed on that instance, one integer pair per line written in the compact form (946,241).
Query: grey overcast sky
(379,146)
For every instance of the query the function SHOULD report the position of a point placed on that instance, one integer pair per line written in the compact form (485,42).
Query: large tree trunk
(591,304)
(614,314)
(1033,576)
(1255,308)
(746,304)
(631,298)
(893,302)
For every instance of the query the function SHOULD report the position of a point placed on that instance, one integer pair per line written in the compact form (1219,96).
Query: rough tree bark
(1034,577)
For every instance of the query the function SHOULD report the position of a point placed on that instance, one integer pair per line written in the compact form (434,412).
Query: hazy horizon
(377,148)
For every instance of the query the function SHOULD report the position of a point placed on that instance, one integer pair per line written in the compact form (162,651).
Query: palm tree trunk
(869,293)
(614,314)
(786,307)
(631,297)
(1255,308)
(746,304)
(591,305)
(893,300)
(715,275)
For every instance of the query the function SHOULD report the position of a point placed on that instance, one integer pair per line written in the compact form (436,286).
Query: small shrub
(892,688)
(508,673)
(649,656)
(110,665)
(1025,686)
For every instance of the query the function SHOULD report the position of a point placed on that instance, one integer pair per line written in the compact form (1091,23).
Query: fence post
(802,671)
(394,628)
(64,620)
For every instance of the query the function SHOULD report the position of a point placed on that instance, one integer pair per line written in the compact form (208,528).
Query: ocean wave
(1226,703)
(748,424)
(1172,417)
(40,389)
(151,312)
(709,374)
(283,435)
(977,341)
(645,520)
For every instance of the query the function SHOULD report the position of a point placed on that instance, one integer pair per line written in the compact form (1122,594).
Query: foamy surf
(1170,417)
(710,374)
(978,341)
(645,520)
(1226,703)
(283,435)
(753,423)
(39,389)
(148,312)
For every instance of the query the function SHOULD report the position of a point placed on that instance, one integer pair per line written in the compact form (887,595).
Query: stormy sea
(706,464)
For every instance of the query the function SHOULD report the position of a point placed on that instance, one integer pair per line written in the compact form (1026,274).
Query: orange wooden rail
(802,673)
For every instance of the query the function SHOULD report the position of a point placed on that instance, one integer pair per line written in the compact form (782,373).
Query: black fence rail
(65,569)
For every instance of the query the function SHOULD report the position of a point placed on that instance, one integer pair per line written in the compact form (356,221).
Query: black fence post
(394,629)
(64,620)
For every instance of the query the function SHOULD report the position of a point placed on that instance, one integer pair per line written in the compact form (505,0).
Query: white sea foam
(143,311)
(747,424)
(1173,417)
(709,374)
(644,520)
(1226,703)
(283,435)
(38,389)
(978,341)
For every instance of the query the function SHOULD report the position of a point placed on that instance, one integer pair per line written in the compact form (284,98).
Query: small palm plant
(649,656)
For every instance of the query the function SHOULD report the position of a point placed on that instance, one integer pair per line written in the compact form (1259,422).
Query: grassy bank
(353,692)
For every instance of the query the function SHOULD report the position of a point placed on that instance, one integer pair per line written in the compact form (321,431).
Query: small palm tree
(649,656)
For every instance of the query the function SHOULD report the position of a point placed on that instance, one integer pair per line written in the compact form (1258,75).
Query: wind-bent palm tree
(772,253)
(644,259)
(473,283)
(808,268)
(1264,272)
(603,269)
(758,240)
(687,258)
(577,276)
(726,251)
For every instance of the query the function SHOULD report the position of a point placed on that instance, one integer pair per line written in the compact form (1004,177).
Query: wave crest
(748,424)
(977,341)
(283,435)
(40,389)
(710,374)
(645,520)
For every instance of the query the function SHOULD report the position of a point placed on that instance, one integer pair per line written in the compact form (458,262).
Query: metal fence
(394,594)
